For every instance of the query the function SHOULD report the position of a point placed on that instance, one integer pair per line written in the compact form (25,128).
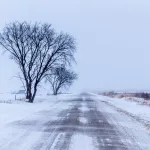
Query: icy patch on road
(83,120)
(82,142)
(100,121)
(84,108)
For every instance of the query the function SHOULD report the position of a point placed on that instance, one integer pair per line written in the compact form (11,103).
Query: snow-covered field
(11,109)
(135,107)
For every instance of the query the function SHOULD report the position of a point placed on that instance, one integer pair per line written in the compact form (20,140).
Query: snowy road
(79,123)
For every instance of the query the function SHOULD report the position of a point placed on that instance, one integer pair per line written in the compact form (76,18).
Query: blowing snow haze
(110,42)
(113,40)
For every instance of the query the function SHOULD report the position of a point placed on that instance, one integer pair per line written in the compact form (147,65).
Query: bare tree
(36,48)
(60,78)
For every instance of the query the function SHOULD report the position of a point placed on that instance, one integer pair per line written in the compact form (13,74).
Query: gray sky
(113,40)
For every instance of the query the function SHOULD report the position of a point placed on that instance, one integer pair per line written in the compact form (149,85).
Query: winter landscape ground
(97,49)
(74,122)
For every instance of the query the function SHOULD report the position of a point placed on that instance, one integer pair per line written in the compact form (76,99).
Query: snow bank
(11,98)
(12,110)
(130,107)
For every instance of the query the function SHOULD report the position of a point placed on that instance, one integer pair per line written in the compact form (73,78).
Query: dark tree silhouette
(60,78)
(36,48)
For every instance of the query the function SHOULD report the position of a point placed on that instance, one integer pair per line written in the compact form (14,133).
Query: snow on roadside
(16,111)
(132,108)
(136,136)
(11,98)
(12,110)
(138,100)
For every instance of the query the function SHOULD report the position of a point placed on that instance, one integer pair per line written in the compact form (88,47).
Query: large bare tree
(60,78)
(36,48)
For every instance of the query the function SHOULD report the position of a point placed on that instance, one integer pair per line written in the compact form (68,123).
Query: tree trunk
(29,93)
(30,97)
(34,93)
(55,92)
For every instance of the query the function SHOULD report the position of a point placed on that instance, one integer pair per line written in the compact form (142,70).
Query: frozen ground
(134,107)
(69,122)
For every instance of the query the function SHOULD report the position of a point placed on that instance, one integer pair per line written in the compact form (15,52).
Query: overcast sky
(113,40)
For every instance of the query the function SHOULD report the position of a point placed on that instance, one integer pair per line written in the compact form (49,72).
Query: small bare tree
(60,78)
(36,48)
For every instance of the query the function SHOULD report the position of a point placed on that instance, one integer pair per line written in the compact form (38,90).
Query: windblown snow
(73,122)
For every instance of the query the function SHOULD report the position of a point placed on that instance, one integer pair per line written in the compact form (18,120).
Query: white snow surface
(82,142)
(132,107)
(129,117)
(11,109)
(83,120)
(119,112)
